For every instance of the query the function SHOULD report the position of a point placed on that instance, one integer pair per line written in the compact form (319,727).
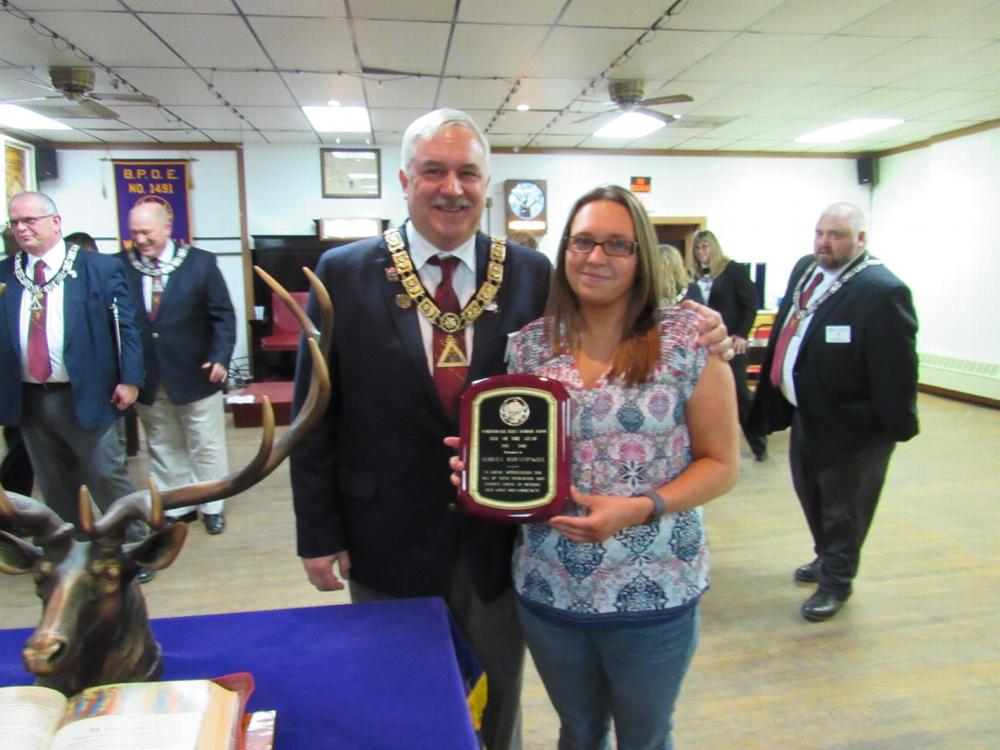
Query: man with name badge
(420,312)
(841,369)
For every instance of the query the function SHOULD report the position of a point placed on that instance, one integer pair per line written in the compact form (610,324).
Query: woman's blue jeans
(632,675)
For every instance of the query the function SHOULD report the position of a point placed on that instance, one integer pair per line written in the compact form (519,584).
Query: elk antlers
(148,505)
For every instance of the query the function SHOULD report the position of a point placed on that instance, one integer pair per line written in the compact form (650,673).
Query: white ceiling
(761,72)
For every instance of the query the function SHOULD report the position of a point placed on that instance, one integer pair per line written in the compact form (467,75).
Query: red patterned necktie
(157,294)
(791,325)
(39,365)
(450,363)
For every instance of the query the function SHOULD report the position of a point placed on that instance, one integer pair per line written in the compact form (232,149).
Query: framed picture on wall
(18,175)
(351,172)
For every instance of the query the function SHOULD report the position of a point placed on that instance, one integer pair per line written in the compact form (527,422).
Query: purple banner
(163,181)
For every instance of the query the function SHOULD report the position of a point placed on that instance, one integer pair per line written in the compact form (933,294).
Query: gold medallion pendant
(451,354)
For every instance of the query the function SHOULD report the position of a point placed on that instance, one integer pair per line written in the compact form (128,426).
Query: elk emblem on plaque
(515,447)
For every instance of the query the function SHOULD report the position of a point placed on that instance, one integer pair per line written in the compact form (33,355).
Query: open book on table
(172,715)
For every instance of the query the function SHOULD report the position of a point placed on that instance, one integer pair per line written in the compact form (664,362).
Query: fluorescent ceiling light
(339,119)
(24,119)
(846,131)
(630,125)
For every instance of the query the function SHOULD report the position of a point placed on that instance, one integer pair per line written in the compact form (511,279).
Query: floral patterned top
(626,440)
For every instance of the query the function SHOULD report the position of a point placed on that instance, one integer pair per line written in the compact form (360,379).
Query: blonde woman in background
(726,287)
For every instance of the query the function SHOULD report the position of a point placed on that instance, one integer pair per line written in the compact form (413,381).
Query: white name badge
(838,334)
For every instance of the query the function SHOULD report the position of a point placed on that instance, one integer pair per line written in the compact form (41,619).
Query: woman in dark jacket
(726,287)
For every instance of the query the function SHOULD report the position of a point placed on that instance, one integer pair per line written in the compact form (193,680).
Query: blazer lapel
(405,322)
(11,299)
(486,324)
(74,300)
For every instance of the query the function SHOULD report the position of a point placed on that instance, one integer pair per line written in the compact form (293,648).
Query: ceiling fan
(627,95)
(77,85)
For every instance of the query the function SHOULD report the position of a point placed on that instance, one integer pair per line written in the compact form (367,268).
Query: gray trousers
(494,633)
(65,454)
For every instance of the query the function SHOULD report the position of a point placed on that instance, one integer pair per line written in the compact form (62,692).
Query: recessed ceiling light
(333,103)
(846,131)
(522,107)
(24,119)
(339,119)
(630,125)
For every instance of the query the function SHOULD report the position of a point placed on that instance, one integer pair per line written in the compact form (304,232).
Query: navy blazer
(734,296)
(848,391)
(195,324)
(372,478)
(89,348)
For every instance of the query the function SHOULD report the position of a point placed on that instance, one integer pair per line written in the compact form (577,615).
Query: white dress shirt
(787,381)
(54,315)
(463,281)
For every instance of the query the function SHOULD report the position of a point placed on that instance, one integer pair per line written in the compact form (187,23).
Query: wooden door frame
(692,223)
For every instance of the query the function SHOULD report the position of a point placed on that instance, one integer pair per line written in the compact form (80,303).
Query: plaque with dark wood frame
(516,450)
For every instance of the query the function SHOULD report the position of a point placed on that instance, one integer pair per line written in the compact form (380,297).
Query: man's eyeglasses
(616,248)
(28,221)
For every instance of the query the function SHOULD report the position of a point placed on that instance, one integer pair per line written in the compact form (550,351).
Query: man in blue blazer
(371,482)
(68,381)
(188,334)
(841,369)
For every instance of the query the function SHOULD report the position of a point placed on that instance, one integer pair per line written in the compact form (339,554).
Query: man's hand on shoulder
(714,336)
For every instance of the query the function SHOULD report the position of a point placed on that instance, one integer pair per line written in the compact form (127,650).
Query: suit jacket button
(452,507)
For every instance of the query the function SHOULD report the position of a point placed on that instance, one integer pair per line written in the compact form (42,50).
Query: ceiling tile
(542,12)
(933,104)
(311,8)
(984,109)
(149,117)
(170,85)
(291,136)
(252,88)
(475,94)
(742,56)
(548,93)
(868,104)
(471,54)
(825,58)
(115,39)
(907,59)
(307,43)
(378,42)
(314,89)
(806,16)
(638,15)
(220,7)
(208,117)
(394,120)
(809,99)
(669,53)
(745,99)
(913,17)
(722,15)
(575,52)
(196,40)
(556,141)
(963,70)
(425,10)
(982,23)
(417,92)
(277,118)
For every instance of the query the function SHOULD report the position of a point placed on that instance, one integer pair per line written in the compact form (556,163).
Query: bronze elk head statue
(94,628)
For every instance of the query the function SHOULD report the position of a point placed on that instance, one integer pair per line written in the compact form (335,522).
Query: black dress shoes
(822,605)
(807,573)
(215,523)
(145,575)
(760,455)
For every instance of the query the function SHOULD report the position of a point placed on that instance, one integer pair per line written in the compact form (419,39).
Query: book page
(178,715)
(28,716)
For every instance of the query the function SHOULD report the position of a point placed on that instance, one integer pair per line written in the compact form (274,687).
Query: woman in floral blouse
(608,594)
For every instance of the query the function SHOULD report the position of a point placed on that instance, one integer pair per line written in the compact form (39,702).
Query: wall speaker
(868,170)
(46,163)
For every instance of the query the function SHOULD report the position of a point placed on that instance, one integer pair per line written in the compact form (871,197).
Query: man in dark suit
(841,369)
(63,377)
(188,334)
(371,482)
(725,286)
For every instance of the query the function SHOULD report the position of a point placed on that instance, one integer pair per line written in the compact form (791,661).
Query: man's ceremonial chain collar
(864,262)
(447,322)
(145,266)
(38,290)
